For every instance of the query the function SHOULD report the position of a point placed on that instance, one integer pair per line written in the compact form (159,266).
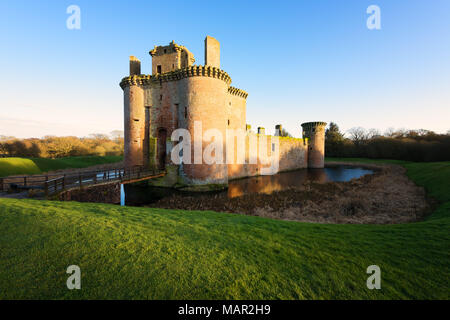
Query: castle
(179,94)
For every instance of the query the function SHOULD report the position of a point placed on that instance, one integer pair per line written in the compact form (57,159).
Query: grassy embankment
(25,166)
(143,253)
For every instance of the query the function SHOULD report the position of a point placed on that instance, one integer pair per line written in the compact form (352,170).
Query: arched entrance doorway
(161,151)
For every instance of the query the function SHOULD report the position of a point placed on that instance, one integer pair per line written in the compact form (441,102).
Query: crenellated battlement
(191,71)
(134,80)
(308,125)
(237,92)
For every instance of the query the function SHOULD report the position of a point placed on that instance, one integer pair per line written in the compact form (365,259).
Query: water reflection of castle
(293,179)
(278,182)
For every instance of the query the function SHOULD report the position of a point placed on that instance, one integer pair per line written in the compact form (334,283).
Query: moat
(342,192)
(139,194)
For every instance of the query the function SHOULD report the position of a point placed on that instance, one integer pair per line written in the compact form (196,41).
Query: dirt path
(387,196)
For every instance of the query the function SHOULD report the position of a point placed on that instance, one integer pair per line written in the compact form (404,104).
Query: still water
(140,195)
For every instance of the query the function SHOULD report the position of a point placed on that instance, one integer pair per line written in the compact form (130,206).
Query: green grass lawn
(143,253)
(24,166)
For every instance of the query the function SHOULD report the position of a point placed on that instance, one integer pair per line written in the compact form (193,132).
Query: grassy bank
(24,166)
(142,253)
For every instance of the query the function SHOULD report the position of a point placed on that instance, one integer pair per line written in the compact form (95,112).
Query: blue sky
(299,60)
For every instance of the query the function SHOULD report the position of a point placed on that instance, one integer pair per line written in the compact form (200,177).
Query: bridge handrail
(79,178)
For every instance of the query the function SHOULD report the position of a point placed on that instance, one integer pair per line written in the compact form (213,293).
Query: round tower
(205,95)
(134,124)
(315,132)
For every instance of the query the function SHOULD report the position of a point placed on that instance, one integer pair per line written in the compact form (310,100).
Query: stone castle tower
(179,94)
(315,132)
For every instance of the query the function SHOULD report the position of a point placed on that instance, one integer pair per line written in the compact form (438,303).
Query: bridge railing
(55,183)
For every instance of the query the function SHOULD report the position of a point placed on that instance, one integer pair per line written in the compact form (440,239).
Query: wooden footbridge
(52,184)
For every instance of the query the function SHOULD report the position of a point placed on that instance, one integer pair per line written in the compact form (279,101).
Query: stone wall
(105,193)
(293,154)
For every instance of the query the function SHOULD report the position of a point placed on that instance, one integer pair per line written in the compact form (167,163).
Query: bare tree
(117,134)
(99,136)
(358,135)
(401,133)
(373,133)
(423,132)
(392,133)
(389,132)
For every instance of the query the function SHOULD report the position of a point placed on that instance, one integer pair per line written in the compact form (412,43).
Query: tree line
(59,147)
(410,145)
